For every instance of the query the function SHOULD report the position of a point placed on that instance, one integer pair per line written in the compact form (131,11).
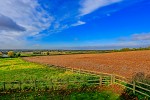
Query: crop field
(125,64)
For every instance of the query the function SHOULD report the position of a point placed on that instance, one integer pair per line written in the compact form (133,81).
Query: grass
(16,69)
(83,95)
(12,69)
(64,95)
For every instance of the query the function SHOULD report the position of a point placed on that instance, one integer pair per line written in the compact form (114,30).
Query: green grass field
(16,69)
(12,69)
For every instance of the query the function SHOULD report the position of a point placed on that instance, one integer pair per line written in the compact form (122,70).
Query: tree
(125,49)
(11,54)
(36,52)
(1,54)
(47,53)
(18,54)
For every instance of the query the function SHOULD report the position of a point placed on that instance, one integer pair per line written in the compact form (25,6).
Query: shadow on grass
(82,93)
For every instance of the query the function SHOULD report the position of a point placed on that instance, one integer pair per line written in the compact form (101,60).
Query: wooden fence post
(100,80)
(134,87)
(79,70)
(112,79)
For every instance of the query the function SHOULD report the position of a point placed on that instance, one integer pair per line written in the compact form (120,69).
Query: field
(13,69)
(16,69)
(125,64)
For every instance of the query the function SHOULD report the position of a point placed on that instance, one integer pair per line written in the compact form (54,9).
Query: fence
(101,79)
(135,86)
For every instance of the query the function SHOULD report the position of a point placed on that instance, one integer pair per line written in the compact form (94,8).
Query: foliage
(18,54)
(125,49)
(36,52)
(11,54)
(47,53)
(132,49)
(1,54)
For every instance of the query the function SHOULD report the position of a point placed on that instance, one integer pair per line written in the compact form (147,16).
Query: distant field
(122,63)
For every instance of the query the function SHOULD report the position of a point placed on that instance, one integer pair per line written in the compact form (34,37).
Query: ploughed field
(121,63)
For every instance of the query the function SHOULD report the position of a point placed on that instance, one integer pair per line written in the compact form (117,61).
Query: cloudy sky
(74,24)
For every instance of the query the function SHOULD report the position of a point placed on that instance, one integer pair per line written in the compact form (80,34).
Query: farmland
(12,69)
(121,63)
(16,69)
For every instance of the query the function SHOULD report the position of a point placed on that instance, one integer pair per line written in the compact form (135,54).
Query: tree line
(10,54)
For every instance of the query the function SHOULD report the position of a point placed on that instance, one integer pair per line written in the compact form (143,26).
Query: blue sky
(74,24)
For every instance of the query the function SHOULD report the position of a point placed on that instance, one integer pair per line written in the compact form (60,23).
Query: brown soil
(121,63)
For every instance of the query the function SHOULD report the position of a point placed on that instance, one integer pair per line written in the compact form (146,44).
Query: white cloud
(88,6)
(27,14)
(136,37)
(79,23)
(12,40)
(142,36)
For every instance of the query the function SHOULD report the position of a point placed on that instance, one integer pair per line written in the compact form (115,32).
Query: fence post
(79,70)
(100,80)
(112,79)
(134,87)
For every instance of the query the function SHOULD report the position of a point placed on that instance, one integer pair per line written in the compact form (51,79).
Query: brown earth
(121,63)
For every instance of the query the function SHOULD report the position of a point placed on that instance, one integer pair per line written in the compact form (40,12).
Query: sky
(74,24)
